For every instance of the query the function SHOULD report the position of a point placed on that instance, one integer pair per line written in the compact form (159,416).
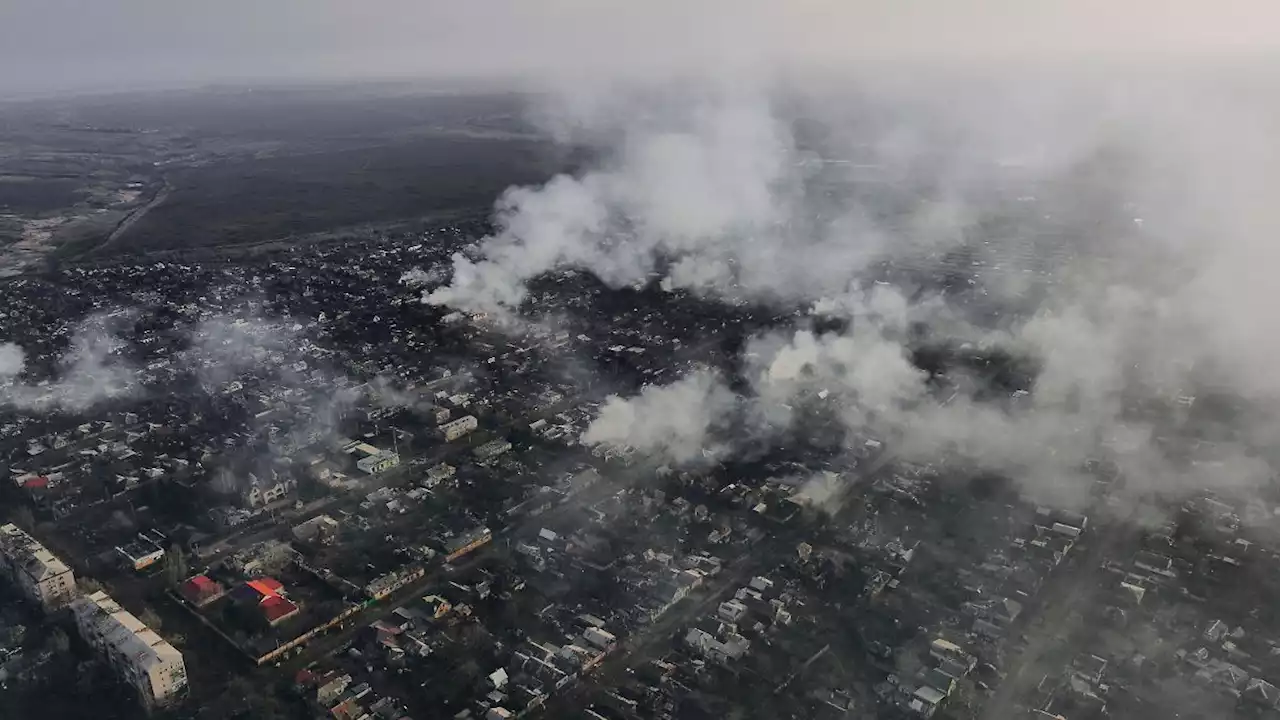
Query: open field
(259,199)
(91,178)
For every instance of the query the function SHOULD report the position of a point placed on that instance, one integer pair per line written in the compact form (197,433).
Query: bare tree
(176,564)
(88,585)
(24,518)
(150,619)
(59,642)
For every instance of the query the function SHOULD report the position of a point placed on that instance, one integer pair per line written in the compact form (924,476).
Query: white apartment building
(40,575)
(459,428)
(136,653)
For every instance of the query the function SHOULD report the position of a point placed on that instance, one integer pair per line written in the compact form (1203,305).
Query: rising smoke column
(692,186)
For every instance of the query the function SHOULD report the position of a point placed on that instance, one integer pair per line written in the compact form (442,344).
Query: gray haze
(82,45)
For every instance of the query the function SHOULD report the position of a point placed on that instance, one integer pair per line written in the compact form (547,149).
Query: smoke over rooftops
(1101,210)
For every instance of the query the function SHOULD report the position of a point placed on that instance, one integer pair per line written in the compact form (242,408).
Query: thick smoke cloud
(1113,234)
(309,403)
(675,422)
(711,186)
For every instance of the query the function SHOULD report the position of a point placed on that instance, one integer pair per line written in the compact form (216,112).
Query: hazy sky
(53,45)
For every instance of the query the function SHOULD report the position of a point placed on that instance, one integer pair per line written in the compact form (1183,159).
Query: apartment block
(135,652)
(38,573)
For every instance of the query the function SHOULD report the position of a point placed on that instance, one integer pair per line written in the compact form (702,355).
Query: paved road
(132,219)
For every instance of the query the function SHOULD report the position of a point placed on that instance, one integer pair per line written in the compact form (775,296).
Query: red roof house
(200,590)
(269,595)
(276,609)
(266,587)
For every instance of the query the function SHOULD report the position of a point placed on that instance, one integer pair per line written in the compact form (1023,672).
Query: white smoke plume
(673,423)
(417,277)
(384,392)
(91,371)
(822,490)
(717,181)
(1083,209)
(864,378)
(12,360)
(692,186)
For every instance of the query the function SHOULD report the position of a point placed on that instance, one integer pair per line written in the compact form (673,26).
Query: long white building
(459,428)
(136,653)
(38,573)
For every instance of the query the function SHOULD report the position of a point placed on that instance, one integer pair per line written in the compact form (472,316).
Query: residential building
(38,573)
(601,639)
(491,450)
(200,590)
(461,427)
(437,474)
(732,647)
(464,544)
(944,650)
(732,610)
(331,690)
(264,491)
(262,558)
(321,530)
(380,462)
(141,553)
(269,596)
(369,459)
(925,701)
(384,585)
(135,652)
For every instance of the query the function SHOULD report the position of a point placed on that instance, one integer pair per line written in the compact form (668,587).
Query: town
(285,487)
